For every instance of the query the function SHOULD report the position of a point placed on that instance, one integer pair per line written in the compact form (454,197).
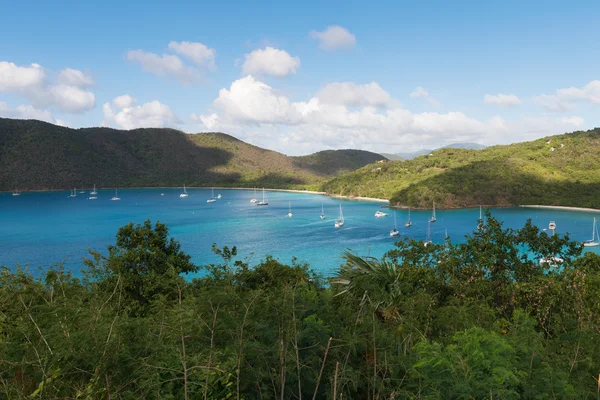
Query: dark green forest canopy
(562,170)
(36,155)
(479,319)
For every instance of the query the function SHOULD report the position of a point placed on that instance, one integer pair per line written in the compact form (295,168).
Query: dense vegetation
(559,170)
(454,321)
(36,155)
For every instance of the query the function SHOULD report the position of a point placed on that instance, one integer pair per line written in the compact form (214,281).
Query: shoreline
(564,208)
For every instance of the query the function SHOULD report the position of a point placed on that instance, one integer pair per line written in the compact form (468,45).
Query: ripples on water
(45,228)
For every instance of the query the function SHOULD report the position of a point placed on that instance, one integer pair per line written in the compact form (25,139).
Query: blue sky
(304,76)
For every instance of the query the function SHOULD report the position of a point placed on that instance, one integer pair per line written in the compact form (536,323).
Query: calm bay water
(41,229)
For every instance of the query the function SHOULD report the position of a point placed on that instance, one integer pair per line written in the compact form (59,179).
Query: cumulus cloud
(199,53)
(334,37)
(25,112)
(32,82)
(354,95)
(270,61)
(502,100)
(74,77)
(359,116)
(421,92)
(123,113)
(165,65)
(564,99)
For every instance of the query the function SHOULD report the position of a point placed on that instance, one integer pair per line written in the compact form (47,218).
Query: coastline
(565,208)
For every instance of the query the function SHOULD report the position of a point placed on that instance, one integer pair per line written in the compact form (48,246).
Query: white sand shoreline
(562,208)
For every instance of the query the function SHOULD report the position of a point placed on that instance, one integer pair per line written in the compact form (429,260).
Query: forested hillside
(558,170)
(36,155)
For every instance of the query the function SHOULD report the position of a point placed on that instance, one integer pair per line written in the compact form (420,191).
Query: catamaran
(379,214)
(116,196)
(428,241)
(94,192)
(322,212)
(408,223)
(433,218)
(253,200)
(289,214)
(212,197)
(185,193)
(480,222)
(594,241)
(340,222)
(265,201)
(394,231)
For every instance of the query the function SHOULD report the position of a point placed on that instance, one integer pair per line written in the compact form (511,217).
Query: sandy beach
(563,208)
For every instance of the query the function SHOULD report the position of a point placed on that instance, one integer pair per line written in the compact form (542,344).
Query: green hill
(36,155)
(565,171)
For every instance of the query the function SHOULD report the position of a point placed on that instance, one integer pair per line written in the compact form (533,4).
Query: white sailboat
(212,197)
(116,196)
(340,222)
(289,214)
(265,201)
(82,191)
(408,223)
(394,231)
(322,212)
(433,218)
(480,222)
(428,241)
(594,241)
(94,192)
(380,214)
(254,200)
(16,193)
(73,193)
(185,193)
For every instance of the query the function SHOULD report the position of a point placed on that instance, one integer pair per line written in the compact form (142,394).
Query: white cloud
(148,115)
(564,99)
(199,53)
(502,100)
(258,113)
(421,92)
(354,95)
(164,65)
(334,37)
(270,61)
(25,112)
(14,77)
(32,82)
(74,77)
(123,101)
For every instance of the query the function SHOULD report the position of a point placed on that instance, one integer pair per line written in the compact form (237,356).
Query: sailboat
(340,222)
(394,231)
(289,215)
(433,218)
(73,193)
(185,193)
(116,196)
(594,241)
(265,201)
(82,191)
(480,222)
(408,223)
(94,192)
(322,212)
(253,200)
(428,241)
(16,193)
(212,197)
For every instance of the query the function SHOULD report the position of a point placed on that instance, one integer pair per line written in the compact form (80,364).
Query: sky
(299,77)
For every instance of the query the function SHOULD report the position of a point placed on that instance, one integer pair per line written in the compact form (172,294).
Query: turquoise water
(41,229)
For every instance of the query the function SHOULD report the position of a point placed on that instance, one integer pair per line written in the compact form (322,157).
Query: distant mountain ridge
(36,155)
(410,156)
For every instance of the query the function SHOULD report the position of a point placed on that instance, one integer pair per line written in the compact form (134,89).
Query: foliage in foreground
(473,320)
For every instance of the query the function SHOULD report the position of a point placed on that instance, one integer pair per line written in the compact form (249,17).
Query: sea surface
(41,229)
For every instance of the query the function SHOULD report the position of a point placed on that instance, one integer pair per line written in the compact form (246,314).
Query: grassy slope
(521,173)
(36,155)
